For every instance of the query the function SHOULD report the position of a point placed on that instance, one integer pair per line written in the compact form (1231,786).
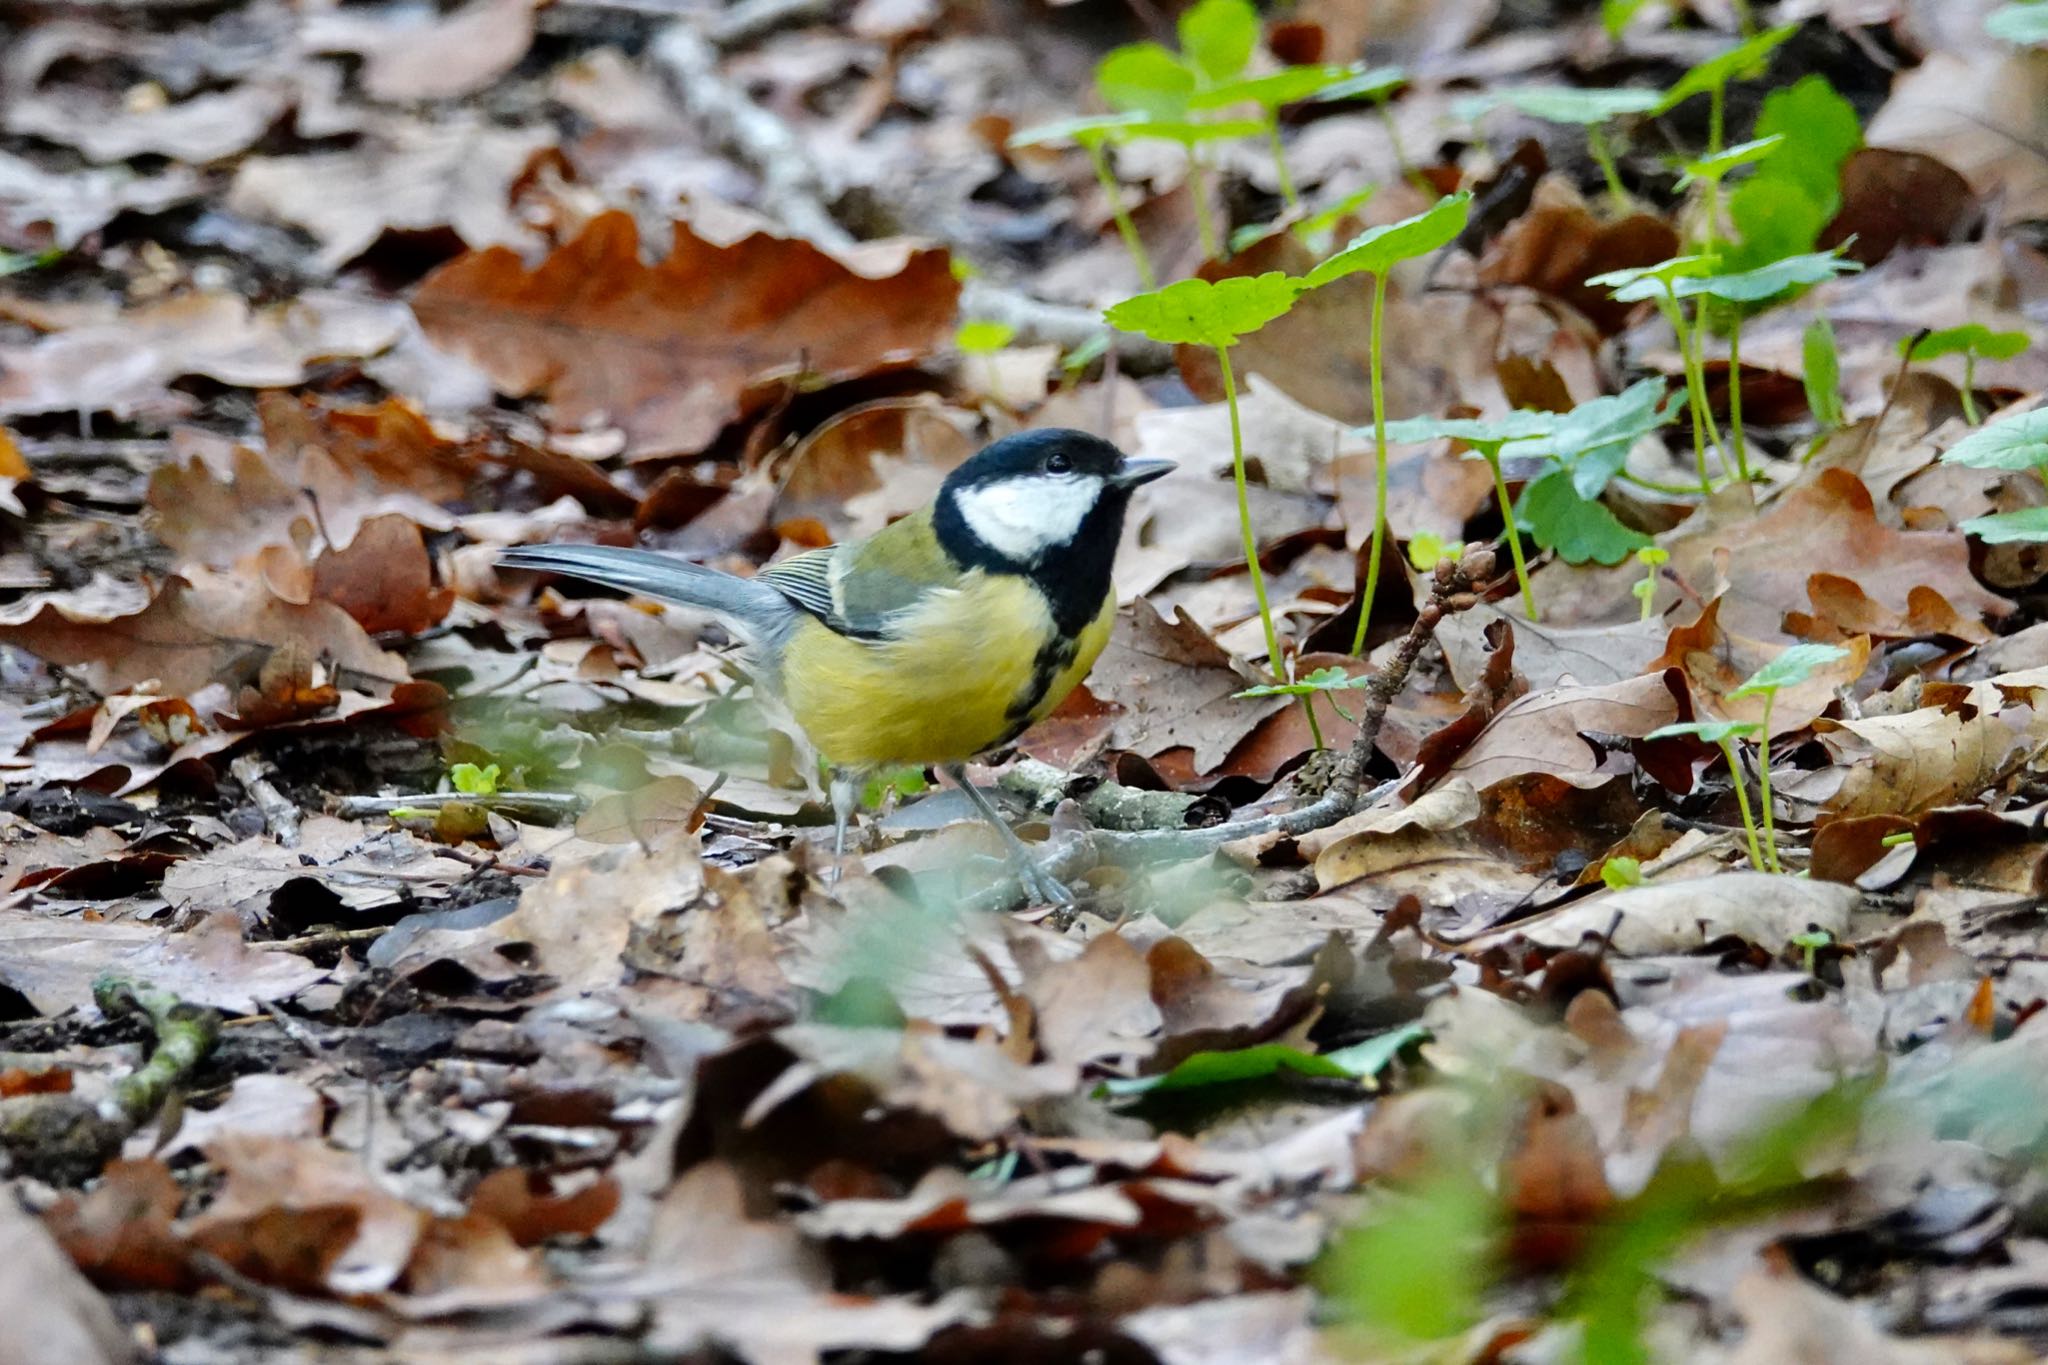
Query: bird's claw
(1042,887)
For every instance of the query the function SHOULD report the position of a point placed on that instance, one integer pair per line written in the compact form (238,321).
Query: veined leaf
(1479,433)
(1648,281)
(1712,731)
(2012,443)
(1145,78)
(1375,249)
(1794,666)
(1217,37)
(1972,338)
(2028,525)
(1581,530)
(1744,61)
(1767,281)
(1289,85)
(1205,312)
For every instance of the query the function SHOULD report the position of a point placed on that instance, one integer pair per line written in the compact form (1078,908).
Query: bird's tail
(759,610)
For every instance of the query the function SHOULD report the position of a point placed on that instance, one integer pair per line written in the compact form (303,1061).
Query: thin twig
(280,816)
(561,805)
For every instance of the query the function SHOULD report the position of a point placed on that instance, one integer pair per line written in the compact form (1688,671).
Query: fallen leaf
(1716,663)
(123,366)
(1559,244)
(1177,689)
(1981,114)
(209,126)
(673,352)
(409,55)
(39,1282)
(54,961)
(1683,916)
(61,208)
(1547,732)
(1094,1007)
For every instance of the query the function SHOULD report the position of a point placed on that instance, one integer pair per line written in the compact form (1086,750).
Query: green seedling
(982,338)
(471,780)
(1271,93)
(1218,314)
(1315,230)
(1361,1062)
(1376,251)
(1094,136)
(1810,943)
(1077,361)
(1794,666)
(1652,558)
(1745,61)
(1973,341)
(1615,14)
(1590,109)
(1724,733)
(1485,439)
(1822,375)
(1715,167)
(1781,207)
(1427,549)
(1588,447)
(1621,873)
(1660,282)
(1740,290)
(2012,443)
(2025,24)
(1324,682)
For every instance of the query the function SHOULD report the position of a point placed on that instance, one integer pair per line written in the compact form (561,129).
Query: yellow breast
(972,669)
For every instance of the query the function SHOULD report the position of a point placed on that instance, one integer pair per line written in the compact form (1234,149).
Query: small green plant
(1377,250)
(1809,945)
(1822,374)
(1621,873)
(1588,447)
(1660,282)
(1724,733)
(1094,136)
(1780,208)
(1271,93)
(981,338)
(1324,682)
(1738,291)
(2012,443)
(1652,558)
(1793,666)
(1591,110)
(1218,314)
(1745,61)
(471,780)
(1486,440)
(1427,549)
(1973,341)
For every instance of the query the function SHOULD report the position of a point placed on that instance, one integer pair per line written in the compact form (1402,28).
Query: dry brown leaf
(419,178)
(124,365)
(873,463)
(1789,1318)
(1716,662)
(207,127)
(1547,732)
(1830,525)
(1682,916)
(1094,1007)
(202,628)
(1893,199)
(40,1284)
(673,352)
(1985,114)
(1177,688)
(1558,245)
(50,208)
(1548,656)
(424,55)
(54,961)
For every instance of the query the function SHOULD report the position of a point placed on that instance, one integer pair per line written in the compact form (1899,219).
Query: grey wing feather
(758,609)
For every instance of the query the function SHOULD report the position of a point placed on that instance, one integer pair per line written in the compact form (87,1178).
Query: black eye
(1057,463)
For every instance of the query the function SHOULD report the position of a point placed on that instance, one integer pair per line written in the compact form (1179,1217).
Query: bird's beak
(1131,473)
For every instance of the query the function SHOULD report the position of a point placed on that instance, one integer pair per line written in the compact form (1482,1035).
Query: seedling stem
(1098,156)
(1379,465)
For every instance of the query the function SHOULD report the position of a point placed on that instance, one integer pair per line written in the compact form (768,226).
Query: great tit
(940,637)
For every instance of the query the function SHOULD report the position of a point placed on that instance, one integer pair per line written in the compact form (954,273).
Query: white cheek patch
(1024,517)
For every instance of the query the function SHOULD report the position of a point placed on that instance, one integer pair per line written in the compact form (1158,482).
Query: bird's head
(1040,499)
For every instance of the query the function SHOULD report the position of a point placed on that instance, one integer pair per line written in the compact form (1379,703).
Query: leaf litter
(397,951)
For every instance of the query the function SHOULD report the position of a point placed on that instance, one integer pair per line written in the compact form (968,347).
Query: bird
(944,635)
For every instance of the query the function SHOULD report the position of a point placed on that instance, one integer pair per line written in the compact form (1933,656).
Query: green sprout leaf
(1093,131)
(1521,424)
(1794,666)
(1745,61)
(1621,873)
(2028,526)
(1648,281)
(2014,443)
(1086,354)
(1320,224)
(1564,103)
(1579,529)
(471,780)
(2025,24)
(1595,437)
(1972,338)
(1205,312)
(1217,37)
(979,338)
(1222,1068)
(1376,249)
(1722,163)
(1366,83)
(1768,281)
(1711,731)
(1615,14)
(1330,679)
(1193,132)
(1428,549)
(1368,1059)
(1823,373)
(1145,78)
(1415,1269)
(1289,85)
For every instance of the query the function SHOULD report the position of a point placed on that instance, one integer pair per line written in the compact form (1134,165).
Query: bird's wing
(864,588)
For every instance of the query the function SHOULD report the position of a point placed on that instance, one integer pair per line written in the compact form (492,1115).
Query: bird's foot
(1041,887)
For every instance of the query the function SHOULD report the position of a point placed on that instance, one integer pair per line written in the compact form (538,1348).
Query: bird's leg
(845,789)
(1041,885)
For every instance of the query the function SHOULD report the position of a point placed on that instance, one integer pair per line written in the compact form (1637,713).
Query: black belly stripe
(1053,659)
